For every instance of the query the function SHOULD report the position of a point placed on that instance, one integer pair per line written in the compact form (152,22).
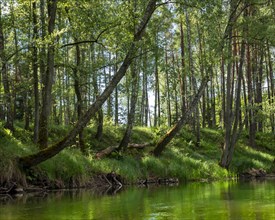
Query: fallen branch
(139,146)
(9,190)
(13,189)
(105,152)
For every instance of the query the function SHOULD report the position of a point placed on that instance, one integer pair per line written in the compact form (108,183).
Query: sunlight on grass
(181,159)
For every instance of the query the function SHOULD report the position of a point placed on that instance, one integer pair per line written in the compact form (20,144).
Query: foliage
(182,160)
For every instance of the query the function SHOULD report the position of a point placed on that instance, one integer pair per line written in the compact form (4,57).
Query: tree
(44,154)
(232,118)
(35,72)
(160,146)
(47,79)
(5,77)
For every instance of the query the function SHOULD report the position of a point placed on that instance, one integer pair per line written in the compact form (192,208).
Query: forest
(99,78)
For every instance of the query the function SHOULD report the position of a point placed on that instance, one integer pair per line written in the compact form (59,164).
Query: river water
(198,201)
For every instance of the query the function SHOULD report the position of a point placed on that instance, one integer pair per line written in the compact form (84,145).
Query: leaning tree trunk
(45,154)
(184,118)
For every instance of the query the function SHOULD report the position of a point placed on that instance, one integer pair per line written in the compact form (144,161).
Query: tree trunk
(77,89)
(47,80)
(144,99)
(222,119)
(131,116)
(182,75)
(167,90)
(35,73)
(184,118)
(271,97)
(116,94)
(42,155)
(213,101)
(17,75)
(232,119)
(77,86)
(99,131)
(202,70)
(251,119)
(157,92)
(110,99)
(193,84)
(259,95)
(5,79)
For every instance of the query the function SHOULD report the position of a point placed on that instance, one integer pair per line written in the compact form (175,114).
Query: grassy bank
(182,159)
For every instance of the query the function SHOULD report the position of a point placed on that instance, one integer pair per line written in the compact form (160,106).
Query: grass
(182,158)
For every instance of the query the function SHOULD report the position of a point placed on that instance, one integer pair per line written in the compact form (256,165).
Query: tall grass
(10,149)
(181,159)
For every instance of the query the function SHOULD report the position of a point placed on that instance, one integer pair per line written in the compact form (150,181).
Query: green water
(198,201)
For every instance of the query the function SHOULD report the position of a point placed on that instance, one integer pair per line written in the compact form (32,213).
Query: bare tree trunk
(35,72)
(183,74)
(17,75)
(213,102)
(45,154)
(193,85)
(77,86)
(167,90)
(175,90)
(144,99)
(5,79)
(157,90)
(110,99)
(271,97)
(47,80)
(131,116)
(222,120)
(79,101)
(116,95)
(251,119)
(202,70)
(259,95)
(99,131)
(231,128)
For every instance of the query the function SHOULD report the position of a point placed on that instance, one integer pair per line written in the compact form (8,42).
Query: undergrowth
(182,159)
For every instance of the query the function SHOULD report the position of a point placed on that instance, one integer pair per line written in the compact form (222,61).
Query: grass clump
(127,167)
(68,166)
(10,149)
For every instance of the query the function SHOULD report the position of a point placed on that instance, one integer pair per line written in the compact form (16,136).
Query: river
(198,201)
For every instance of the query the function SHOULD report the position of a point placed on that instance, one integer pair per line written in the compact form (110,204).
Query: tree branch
(87,41)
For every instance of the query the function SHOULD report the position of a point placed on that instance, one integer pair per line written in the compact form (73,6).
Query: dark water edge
(253,199)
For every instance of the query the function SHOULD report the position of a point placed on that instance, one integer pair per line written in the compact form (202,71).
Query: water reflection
(205,201)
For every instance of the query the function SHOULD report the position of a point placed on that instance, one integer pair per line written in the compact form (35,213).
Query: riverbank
(182,160)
